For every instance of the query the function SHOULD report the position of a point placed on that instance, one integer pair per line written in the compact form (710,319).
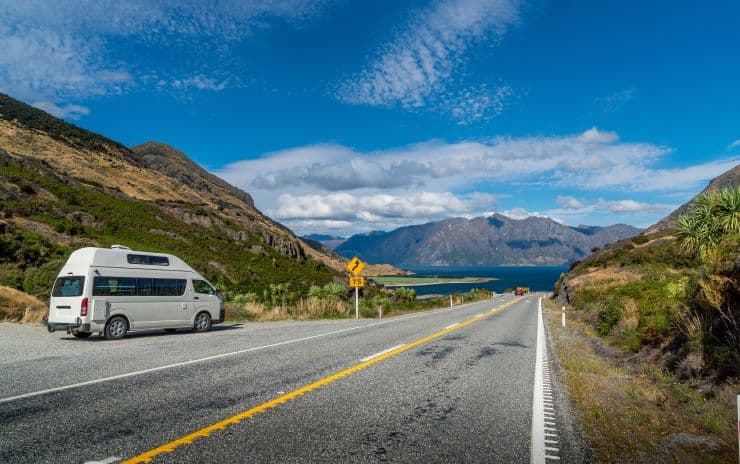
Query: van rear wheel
(81,334)
(202,322)
(116,328)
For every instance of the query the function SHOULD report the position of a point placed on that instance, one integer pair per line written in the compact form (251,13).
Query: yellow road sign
(355,266)
(356,282)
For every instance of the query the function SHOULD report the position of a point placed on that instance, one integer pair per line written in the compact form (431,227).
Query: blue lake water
(509,277)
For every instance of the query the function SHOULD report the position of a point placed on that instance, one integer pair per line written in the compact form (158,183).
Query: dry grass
(637,413)
(604,277)
(16,306)
(308,308)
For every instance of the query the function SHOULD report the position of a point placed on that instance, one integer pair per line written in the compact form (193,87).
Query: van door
(205,298)
(172,307)
(66,299)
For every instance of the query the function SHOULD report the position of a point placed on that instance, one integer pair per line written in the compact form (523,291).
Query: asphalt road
(281,392)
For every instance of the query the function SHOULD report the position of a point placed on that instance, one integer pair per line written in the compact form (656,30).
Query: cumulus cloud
(372,208)
(420,63)
(378,189)
(626,206)
(61,50)
(593,159)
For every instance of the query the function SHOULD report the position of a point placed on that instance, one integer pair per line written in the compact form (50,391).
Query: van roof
(83,258)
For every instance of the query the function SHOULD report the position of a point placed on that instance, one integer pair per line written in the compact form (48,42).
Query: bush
(607,319)
(405,295)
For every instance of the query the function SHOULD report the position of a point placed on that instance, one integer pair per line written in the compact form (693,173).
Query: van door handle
(64,307)
(196,298)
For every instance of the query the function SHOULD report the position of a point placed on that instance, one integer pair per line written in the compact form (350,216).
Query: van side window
(68,286)
(132,286)
(144,287)
(148,260)
(169,287)
(201,286)
(114,286)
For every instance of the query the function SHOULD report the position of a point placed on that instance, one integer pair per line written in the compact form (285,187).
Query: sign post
(355,266)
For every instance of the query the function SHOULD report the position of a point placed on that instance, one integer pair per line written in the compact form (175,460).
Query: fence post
(563,316)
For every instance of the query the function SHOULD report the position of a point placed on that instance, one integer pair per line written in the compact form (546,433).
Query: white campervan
(112,290)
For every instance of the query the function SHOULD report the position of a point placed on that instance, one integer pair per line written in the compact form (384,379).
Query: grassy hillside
(48,216)
(666,301)
(62,188)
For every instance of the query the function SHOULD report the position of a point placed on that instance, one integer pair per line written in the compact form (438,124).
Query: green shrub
(607,319)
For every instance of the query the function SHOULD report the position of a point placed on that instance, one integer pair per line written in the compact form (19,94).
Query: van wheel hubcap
(202,322)
(116,328)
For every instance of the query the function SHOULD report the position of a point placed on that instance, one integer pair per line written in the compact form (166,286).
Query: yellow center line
(206,431)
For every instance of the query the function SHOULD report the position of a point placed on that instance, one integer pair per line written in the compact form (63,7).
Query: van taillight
(83,307)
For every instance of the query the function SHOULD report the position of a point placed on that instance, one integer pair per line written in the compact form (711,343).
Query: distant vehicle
(112,290)
(521,290)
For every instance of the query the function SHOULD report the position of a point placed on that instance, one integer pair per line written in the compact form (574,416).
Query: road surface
(449,385)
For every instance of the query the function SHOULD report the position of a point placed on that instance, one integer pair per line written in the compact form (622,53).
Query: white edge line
(208,358)
(537,451)
(387,350)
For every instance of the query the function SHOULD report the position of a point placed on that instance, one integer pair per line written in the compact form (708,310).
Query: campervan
(114,290)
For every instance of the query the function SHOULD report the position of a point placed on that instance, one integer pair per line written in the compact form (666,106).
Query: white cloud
(377,189)
(569,203)
(617,100)
(521,213)
(734,144)
(372,208)
(64,111)
(420,62)
(61,50)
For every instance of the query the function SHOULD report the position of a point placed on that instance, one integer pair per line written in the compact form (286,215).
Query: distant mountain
(730,178)
(496,240)
(329,241)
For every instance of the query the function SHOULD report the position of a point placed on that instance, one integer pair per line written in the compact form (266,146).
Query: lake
(508,277)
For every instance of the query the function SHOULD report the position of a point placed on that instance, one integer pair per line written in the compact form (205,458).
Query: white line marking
(548,448)
(479,315)
(550,441)
(451,326)
(211,358)
(537,451)
(552,457)
(109,460)
(388,350)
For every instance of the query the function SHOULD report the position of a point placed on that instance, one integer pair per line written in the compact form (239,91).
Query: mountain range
(495,240)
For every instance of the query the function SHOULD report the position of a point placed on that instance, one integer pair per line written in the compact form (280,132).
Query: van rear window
(148,260)
(68,286)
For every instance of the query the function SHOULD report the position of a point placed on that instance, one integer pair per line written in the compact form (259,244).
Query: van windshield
(68,286)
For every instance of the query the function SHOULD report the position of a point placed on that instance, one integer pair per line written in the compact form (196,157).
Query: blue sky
(347,116)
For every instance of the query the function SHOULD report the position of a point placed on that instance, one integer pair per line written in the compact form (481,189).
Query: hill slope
(728,179)
(496,240)
(62,187)
(649,296)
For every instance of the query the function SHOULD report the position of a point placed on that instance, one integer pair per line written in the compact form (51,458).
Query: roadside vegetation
(637,412)
(674,297)
(651,354)
(335,301)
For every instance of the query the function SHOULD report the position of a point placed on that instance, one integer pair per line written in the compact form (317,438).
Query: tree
(712,218)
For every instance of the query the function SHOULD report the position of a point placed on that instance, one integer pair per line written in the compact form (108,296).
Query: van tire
(202,322)
(116,328)
(81,334)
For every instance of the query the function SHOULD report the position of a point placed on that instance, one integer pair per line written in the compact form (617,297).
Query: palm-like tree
(712,217)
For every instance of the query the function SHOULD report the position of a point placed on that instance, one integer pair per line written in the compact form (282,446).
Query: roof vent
(120,247)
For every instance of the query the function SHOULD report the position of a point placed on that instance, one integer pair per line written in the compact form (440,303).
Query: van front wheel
(202,322)
(116,328)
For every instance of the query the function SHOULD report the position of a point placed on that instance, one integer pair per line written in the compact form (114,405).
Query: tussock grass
(305,308)
(16,306)
(633,412)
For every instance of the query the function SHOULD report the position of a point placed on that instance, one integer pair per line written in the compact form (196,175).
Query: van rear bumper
(68,327)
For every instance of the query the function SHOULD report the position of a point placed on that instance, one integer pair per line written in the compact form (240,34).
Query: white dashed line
(388,350)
